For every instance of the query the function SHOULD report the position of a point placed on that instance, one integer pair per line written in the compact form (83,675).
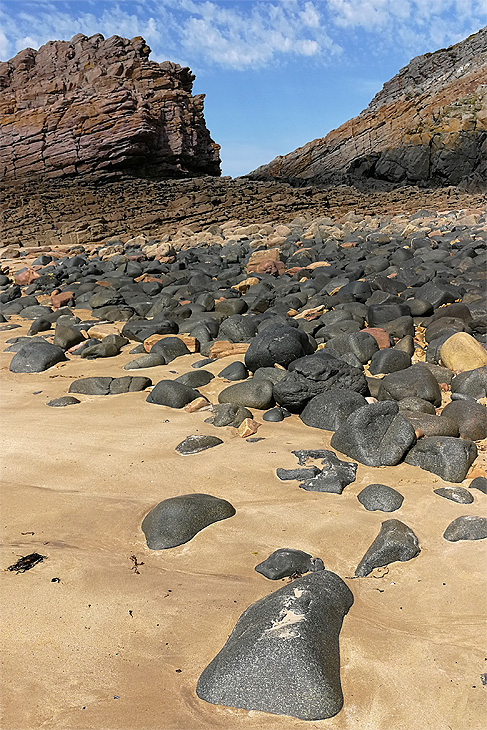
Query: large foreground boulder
(283,655)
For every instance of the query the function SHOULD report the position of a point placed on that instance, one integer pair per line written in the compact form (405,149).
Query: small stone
(196,405)
(197,442)
(195,378)
(172,394)
(286,561)
(395,541)
(479,483)
(249,393)
(65,400)
(380,497)
(235,371)
(274,415)
(177,520)
(467,527)
(248,427)
(455,494)
(469,416)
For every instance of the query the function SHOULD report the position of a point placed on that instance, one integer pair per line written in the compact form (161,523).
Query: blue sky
(277,73)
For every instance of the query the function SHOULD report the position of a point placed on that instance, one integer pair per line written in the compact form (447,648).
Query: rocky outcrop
(428,126)
(91,106)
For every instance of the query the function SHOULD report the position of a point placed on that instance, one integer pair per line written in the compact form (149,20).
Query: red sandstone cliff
(428,126)
(96,106)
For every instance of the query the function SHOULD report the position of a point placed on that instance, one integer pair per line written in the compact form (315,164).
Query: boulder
(395,541)
(36,356)
(448,457)
(286,561)
(462,352)
(330,409)
(280,344)
(466,527)
(283,655)
(380,497)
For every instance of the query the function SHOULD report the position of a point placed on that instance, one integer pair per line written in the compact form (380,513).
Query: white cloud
(249,33)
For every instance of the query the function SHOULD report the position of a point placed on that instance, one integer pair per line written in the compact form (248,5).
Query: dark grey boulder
(328,410)
(310,376)
(229,414)
(65,400)
(469,416)
(417,405)
(109,386)
(249,393)
(380,497)
(274,415)
(170,348)
(479,483)
(431,425)
(178,519)
(360,344)
(41,324)
(195,378)
(389,360)
(279,344)
(235,371)
(333,477)
(448,457)
(272,374)
(466,527)
(67,336)
(172,394)
(395,541)
(129,384)
(140,329)
(376,435)
(197,442)
(150,360)
(471,382)
(455,494)
(415,381)
(36,356)
(110,346)
(283,655)
(297,474)
(286,561)
(91,386)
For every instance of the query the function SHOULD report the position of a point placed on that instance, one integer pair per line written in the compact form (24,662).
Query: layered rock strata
(96,106)
(428,126)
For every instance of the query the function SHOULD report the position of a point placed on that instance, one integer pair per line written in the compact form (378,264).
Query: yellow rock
(462,352)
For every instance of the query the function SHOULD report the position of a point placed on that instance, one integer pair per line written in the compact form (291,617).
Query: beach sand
(108,648)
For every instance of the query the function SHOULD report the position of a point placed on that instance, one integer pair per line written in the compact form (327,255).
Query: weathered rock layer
(96,106)
(428,126)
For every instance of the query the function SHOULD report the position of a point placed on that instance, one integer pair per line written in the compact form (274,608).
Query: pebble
(467,527)
(197,442)
(455,494)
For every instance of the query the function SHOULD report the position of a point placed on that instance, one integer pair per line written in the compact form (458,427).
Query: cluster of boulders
(372,329)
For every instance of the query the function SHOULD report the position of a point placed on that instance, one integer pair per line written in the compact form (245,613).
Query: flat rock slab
(448,457)
(467,527)
(334,476)
(286,561)
(376,435)
(109,386)
(395,541)
(455,494)
(178,519)
(283,655)
(197,442)
(65,400)
(296,474)
(380,497)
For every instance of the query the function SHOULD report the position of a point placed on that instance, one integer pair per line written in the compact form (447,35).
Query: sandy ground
(107,648)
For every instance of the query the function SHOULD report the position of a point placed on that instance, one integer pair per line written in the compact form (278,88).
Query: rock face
(428,126)
(96,106)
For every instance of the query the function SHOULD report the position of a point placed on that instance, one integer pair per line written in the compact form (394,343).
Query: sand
(107,648)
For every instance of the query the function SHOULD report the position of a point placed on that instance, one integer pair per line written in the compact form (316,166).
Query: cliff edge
(427,127)
(91,106)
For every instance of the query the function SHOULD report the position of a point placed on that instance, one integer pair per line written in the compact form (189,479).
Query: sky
(276,73)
